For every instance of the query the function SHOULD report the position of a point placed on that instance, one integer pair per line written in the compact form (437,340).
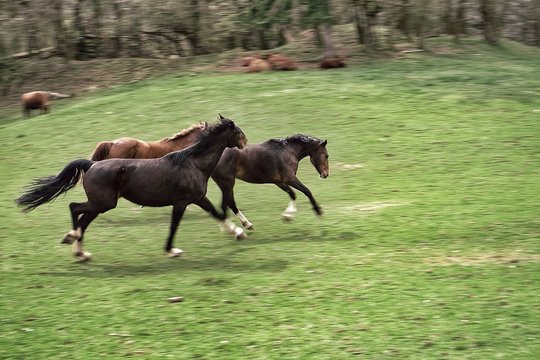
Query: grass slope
(428,248)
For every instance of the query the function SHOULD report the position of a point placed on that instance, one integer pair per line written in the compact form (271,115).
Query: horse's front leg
(226,185)
(290,211)
(177,213)
(303,188)
(229,199)
(225,224)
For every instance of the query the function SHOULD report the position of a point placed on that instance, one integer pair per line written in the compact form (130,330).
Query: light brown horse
(130,148)
(38,100)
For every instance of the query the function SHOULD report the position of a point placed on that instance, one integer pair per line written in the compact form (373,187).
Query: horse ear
(324,143)
(220,117)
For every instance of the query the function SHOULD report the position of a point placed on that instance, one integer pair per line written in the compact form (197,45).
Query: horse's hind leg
(290,211)
(82,214)
(303,188)
(78,251)
(226,185)
(75,233)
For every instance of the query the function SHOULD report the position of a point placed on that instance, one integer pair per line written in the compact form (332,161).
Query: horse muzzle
(324,174)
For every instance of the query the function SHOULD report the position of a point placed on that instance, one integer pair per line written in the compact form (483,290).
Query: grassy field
(428,249)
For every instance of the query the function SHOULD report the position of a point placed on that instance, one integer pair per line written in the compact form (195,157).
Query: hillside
(80,77)
(427,249)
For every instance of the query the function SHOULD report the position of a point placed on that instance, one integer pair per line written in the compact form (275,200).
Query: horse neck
(301,150)
(209,154)
(183,141)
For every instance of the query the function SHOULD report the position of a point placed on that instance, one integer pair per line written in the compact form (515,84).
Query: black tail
(102,151)
(47,189)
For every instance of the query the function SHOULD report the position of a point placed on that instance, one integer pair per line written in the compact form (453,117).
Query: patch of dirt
(372,206)
(345,166)
(483,259)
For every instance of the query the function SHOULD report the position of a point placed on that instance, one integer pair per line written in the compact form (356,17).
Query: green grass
(428,249)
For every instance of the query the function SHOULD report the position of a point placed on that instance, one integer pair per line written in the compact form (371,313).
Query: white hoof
(174,252)
(83,256)
(247,225)
(287,216)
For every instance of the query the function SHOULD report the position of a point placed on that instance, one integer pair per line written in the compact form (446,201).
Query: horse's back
(255,163)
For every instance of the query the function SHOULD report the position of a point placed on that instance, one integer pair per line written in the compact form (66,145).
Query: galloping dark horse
(178,179)
(274,161)
(131,148)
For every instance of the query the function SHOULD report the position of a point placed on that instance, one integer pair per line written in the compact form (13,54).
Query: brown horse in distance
(130,148)
(38,100)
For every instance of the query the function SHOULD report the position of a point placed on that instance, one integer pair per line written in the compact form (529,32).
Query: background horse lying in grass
(130,148)
(273,161)
(178,179)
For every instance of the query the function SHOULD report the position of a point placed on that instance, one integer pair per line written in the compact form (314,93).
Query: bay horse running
(274,161)
(131,148)
(178,179)
(38,100)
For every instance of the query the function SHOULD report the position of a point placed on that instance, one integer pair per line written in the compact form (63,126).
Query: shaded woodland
(87,29)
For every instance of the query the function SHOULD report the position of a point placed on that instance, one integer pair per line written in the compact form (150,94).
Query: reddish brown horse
(130,148)
(38,100)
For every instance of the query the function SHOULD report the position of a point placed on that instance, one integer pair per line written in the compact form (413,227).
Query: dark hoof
(83,256)
(241,236)
(319,211)
(69,239)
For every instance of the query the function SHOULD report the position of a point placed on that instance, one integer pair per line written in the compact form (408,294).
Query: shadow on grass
(167,266)
(299,235)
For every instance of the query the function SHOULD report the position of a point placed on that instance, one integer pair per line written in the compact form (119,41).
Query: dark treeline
(85,29)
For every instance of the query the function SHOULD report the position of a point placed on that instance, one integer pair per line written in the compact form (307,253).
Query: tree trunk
(117,42)
(405,22)
(59,29)
(98,16)
(421,23)
(489,21)
(326,37)
(30,27)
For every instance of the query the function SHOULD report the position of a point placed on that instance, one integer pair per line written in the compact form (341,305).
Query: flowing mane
(179,156)
(201,125)
(298,138)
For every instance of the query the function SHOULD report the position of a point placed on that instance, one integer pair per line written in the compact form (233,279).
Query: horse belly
(159,189)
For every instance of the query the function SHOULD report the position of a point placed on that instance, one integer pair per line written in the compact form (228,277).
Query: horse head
(238,139)
(319,159)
